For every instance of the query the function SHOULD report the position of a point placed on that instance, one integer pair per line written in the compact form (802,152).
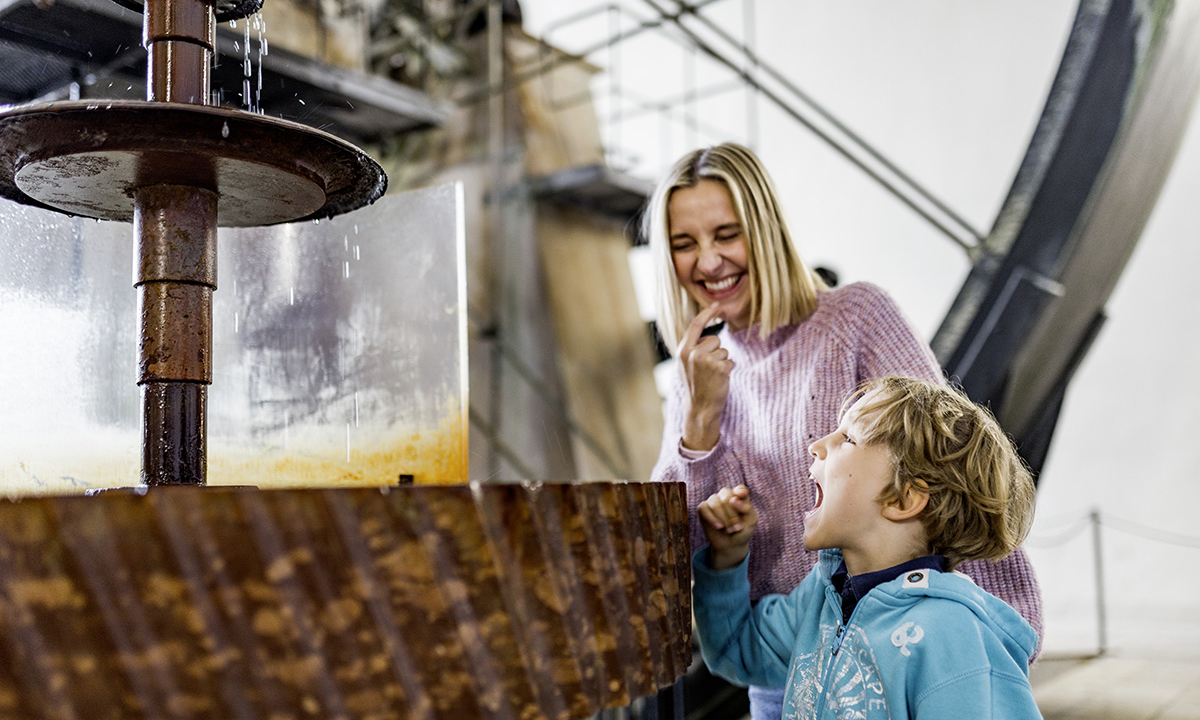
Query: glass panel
(339,351)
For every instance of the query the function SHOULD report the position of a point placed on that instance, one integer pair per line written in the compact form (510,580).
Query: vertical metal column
(175,251)
(1101,605)
(498,278)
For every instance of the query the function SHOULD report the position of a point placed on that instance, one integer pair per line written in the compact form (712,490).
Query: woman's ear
(909,505)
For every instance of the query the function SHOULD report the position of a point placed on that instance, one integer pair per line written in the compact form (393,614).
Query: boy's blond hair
(981,494)
(783,289)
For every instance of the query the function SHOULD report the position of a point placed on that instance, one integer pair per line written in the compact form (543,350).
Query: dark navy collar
(855,588)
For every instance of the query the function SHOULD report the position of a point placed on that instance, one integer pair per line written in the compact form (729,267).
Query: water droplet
(225,129)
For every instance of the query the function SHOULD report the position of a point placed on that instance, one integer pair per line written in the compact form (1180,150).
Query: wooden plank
(605,355)
(562,130)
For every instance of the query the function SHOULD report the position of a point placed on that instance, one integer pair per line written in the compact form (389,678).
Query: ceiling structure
(83,49)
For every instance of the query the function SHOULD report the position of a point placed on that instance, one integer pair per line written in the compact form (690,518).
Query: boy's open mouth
(820,498)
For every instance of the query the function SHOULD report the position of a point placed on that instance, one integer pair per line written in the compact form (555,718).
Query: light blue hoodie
(927,645)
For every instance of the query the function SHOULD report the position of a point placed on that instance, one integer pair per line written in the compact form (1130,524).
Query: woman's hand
(729,519)
(706,367)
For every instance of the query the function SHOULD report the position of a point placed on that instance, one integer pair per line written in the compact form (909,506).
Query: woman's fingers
(708,359)
(691,336)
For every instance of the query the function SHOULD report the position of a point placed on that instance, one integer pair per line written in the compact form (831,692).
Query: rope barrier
(1076,526)
(1059,537)
(1149,533)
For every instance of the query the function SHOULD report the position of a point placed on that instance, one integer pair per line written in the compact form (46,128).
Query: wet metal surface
(86,158)
(494,601)
(338,351)
(175,235)
(179,36)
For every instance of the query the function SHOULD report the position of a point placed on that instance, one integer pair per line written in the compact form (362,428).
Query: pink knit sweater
(784,393)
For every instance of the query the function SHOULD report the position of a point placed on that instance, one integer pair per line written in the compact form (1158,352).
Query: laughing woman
(750,399)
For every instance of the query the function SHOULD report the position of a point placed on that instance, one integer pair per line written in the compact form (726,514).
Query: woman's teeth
(719,285)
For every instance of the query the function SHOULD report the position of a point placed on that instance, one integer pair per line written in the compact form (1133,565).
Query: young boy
(915,480)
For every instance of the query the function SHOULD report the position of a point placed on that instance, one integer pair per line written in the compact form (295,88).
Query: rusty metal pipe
(175,234)
(179,36)
(165,84)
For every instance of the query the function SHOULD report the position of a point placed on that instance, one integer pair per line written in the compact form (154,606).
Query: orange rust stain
(431,456)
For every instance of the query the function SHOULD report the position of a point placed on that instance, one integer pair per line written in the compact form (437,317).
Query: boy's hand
(728,518)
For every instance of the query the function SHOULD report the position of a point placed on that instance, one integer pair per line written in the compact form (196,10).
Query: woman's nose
(710,259)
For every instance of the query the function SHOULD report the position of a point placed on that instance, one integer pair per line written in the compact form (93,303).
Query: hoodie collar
(855,588)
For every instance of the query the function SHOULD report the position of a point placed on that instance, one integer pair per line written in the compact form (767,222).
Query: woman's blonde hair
(981,494)
(783,289)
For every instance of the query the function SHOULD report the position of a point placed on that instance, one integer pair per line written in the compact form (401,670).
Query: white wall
(1127,445)
(950,92)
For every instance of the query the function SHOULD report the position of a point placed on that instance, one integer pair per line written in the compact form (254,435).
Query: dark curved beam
(1034,298)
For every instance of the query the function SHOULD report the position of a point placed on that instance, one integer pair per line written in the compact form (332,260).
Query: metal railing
(685,26)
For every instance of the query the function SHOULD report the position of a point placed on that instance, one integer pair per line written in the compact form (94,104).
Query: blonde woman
(752,397)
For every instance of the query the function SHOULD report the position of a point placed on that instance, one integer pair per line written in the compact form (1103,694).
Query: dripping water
(252,61)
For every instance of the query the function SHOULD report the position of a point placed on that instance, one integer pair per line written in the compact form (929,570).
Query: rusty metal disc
(87,157)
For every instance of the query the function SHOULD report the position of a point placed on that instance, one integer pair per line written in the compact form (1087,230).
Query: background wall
(950,92)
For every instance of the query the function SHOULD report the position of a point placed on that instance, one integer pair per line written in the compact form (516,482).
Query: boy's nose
(819,447)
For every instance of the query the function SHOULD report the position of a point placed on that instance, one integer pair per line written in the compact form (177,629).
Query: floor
(1112,687)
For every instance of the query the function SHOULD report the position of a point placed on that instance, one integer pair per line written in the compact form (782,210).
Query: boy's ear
(909,505)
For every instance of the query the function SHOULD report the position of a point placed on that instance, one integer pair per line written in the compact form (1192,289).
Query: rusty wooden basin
(484,601)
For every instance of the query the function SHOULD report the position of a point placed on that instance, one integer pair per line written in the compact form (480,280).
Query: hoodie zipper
(838,637)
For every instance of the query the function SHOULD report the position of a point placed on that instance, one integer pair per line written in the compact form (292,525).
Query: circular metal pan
(225,10)
(86,158)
